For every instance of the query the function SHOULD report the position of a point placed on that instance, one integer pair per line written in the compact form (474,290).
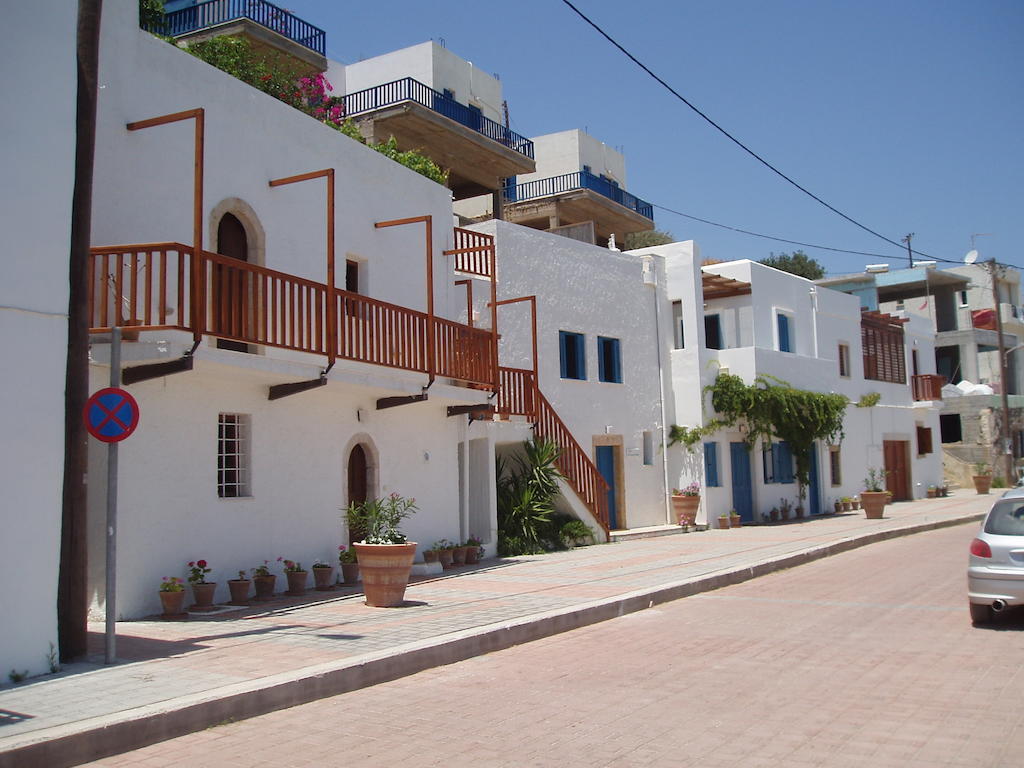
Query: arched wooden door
(357,484)
(229,289)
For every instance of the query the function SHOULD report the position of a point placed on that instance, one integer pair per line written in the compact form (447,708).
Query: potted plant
(774,514)
(430,555)
(459,554)
(685,503)
(202,590)
(265,581)
(847,504)
(172,597)
(474,550)
(838,506)
(785,507)
(349,566)
(384,555)
(874,495)
(982,477)
(296,576)
(933,491)
(239,589)
(322,573)
(445,553)
(734,519)
(723,520)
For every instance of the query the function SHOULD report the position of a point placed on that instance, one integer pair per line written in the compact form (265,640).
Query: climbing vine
(771,409)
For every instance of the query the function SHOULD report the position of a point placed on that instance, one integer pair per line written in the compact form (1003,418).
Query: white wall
(38,126)
(568,151)
(597,292)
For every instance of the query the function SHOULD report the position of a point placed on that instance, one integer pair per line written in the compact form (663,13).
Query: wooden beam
(277,391)
(148,371)
(394,402)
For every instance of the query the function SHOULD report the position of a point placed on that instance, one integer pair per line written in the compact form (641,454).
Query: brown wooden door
(897,468)
(228,289)
(357,485)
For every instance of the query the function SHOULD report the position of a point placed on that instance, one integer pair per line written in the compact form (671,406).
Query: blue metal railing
(408,89)
(580,180)
(213,12)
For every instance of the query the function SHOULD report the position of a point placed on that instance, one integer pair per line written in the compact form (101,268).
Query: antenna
(971,257)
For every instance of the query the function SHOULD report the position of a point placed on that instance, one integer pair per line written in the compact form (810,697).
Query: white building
(757,321)
(39,172)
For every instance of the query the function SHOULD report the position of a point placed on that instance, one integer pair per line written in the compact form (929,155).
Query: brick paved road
(863,659)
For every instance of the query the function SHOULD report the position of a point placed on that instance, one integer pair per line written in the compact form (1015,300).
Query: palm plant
(526,494)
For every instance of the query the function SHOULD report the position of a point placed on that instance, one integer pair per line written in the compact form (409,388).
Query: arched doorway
(358,483)
(229,291)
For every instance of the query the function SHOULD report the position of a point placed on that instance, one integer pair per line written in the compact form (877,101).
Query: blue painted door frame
(606,466)
(813,489)
(742,487)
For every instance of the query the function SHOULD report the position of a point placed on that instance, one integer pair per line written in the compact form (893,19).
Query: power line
(733,139)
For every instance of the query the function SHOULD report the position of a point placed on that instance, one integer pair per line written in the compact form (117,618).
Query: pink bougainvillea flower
(201,563)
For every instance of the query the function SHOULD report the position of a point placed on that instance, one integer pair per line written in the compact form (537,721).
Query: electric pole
(910,253)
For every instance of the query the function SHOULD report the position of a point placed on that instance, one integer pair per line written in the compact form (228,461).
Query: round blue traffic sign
(111,415)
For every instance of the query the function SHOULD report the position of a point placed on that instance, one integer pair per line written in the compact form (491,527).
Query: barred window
(882,339)
(233,454)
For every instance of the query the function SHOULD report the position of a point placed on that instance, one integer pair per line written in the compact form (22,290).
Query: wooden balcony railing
(474,253)
(519,395)
(927,386)
(161,286)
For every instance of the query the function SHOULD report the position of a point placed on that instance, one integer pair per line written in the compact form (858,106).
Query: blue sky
(907,116)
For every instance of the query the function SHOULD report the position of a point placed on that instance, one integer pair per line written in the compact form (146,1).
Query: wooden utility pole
(910,253)
(1004,433)
(72,603)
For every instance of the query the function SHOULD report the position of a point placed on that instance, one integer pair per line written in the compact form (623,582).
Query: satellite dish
(971,257)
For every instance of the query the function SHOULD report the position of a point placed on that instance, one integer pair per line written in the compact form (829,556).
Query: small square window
(963,298)
(835,465)
(924,441)
(609,360)
(233,455)
(572,355)
(678,339)
(713,332)
(648,448)
(844,360)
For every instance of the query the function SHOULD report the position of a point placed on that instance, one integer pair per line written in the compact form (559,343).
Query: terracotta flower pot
(458,555)
(296,582)
(982,483)
(874,504)
(322,578)
(685,508)
(265,586)
(847,506)
(446,558)
(173,605)
(239,591)
(472,555)
(350,572)
(430,556)
(203,596)
(385,570)
(734,521)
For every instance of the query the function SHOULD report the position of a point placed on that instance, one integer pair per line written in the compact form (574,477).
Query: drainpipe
(651,279)
(814,318)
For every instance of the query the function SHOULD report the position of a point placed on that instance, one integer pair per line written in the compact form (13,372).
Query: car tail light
(980,548)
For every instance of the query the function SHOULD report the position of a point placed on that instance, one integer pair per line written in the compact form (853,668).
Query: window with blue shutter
(785,333)
(609,360)
(768,462)
(571,355)
(782,456)
(711,465)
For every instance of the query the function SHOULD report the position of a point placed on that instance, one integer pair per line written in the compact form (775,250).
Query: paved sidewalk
(177,677)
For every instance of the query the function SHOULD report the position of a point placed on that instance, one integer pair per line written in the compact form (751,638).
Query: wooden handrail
(520,396)
(151,286)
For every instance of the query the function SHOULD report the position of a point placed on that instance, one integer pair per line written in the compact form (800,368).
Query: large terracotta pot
(203,594)
(173,603)
(982,483)
(322,578)
(265,586)
(873,503)
(685,508)
(385,570)
(296,582)
(239,591)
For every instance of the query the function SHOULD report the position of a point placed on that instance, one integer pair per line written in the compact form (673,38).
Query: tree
(797,263)
(646,239)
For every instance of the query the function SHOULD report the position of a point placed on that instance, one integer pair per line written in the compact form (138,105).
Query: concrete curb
(95,738)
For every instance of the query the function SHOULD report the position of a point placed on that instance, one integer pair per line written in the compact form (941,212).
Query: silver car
(995,571)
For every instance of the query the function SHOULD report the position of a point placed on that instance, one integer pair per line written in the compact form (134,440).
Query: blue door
(813,491)
(606,466)
(742,489)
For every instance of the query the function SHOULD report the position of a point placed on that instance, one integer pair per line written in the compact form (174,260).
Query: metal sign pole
(110,643)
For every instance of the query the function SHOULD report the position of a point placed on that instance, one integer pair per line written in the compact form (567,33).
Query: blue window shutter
(581,357)
(602,361)
(563,354)
(618,361)
(779,462)
(785,465)
(711,464)
(784,340)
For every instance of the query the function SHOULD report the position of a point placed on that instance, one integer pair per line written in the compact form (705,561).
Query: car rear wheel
(980,613)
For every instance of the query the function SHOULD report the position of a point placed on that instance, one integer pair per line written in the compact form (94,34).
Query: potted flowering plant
(172,597)
(474,551)
(982,477)
(384,555)
(296,575)
(265,581)
(322,573)
(445,553)
(202,590)
(686,502)
(349,566)
(874,495)
(239,589)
